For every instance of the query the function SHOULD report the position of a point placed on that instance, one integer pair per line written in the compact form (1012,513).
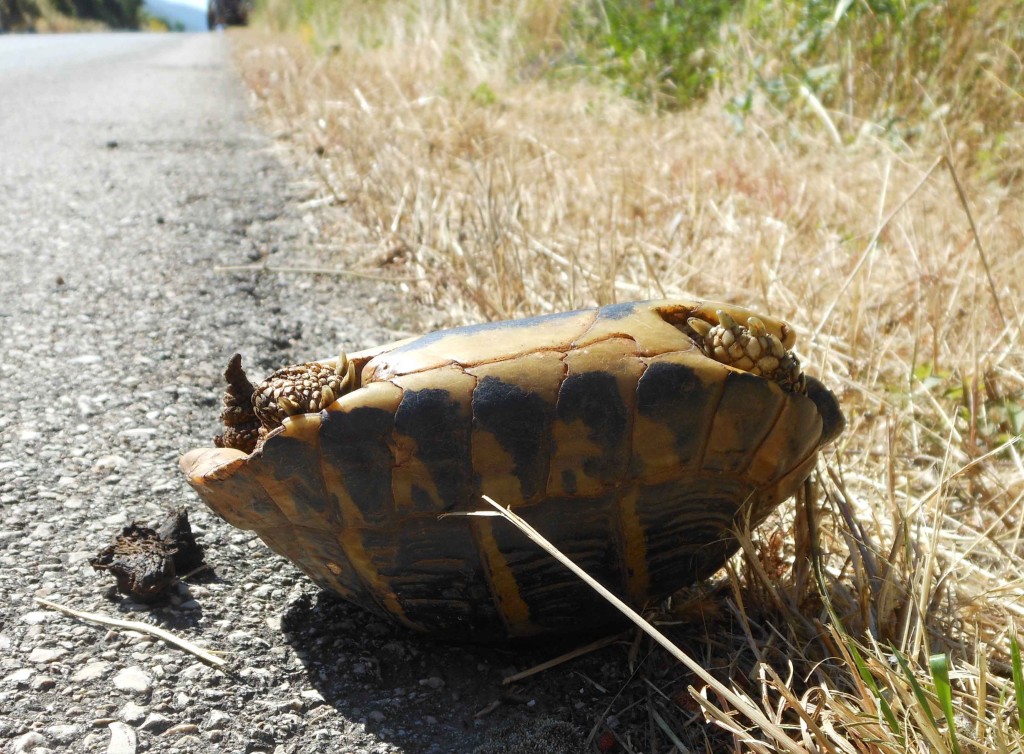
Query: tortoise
(634,436)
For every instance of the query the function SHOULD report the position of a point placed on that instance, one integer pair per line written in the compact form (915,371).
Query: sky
(192,13)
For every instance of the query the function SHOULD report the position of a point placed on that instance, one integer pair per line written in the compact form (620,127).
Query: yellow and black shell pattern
(611,430)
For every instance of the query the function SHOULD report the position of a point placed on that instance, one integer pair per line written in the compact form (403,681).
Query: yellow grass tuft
(876,615)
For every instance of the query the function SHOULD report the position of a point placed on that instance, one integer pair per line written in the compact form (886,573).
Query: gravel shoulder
(127,178)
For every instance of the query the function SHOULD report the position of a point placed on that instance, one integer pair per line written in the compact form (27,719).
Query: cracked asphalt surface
(129,171)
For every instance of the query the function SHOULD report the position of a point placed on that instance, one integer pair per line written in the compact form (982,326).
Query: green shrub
(661,51)
(894,64)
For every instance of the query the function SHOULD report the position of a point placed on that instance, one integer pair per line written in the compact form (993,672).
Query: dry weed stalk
(502,197)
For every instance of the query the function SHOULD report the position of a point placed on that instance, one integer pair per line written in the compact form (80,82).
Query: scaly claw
(289,406)
(701,327)
(726,320)
(346,372)
(327,395)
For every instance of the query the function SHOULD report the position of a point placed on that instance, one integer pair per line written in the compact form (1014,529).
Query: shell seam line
(713,414)
(593,323)
(767,433)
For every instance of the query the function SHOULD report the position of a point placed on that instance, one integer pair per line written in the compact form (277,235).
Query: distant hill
(189,16)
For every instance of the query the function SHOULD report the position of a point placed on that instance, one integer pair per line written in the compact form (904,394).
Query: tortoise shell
(617,432)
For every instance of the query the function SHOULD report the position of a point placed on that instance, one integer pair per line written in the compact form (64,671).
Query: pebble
(182,729)
(132,713)
(109,462)
(42,655)
(27,742)
(86,358)
(92,671)
(312,697)
(19,677)
(156,723)
(134,679)
(116,519)
(42,531)
(216,720)
(64,734)
(43,683)
(123,739)
(138,432)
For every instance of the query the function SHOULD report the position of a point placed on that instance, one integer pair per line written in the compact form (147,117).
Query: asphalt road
(129,171)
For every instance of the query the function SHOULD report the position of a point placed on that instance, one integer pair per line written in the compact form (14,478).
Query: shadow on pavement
(425,695)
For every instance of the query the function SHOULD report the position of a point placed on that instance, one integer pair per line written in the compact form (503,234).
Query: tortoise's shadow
(419,693)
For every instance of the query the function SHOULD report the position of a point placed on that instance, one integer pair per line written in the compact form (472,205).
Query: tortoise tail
(832,420)
(241,427)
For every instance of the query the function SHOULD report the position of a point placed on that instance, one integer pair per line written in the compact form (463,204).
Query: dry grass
(504,196)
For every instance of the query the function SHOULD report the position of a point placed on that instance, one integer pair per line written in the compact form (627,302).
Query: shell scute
(433,467)
(592,432)
(676,400)
(434,569)
(221,473)
(357,456)
(794,436)
(686,530)
(511,435)
(651,330)
(582,526)
(293,477)
(478,344)
(748,409)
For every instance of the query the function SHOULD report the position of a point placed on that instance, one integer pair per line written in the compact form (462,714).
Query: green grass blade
(919,694)
(939,665)
(1018,679)
(869,680)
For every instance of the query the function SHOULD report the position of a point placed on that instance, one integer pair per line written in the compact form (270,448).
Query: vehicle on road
(227,13)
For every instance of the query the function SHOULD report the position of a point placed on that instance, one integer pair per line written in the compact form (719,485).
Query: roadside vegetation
(72,15)
(855,167)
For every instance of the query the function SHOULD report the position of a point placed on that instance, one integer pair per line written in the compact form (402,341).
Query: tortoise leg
(750,348)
